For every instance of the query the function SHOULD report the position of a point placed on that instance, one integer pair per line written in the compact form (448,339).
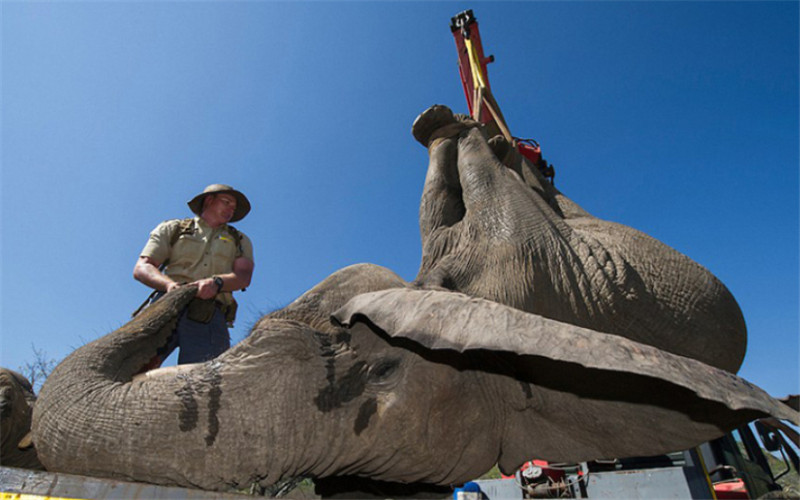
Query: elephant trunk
(223,424)
(86,410)
(188,425)
(125,352)
(81,390)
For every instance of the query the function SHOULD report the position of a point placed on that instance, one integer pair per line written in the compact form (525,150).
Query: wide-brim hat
(242,203)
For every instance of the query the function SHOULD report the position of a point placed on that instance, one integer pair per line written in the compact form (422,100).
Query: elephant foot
(436,122)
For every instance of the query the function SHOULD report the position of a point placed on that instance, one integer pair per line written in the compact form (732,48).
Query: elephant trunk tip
(131,349)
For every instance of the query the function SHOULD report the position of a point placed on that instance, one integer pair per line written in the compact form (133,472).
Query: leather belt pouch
(201,310)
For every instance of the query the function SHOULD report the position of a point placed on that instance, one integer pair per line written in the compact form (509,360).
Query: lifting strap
(475,65)
(482,94)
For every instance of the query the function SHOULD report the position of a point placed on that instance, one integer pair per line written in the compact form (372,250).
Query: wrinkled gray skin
(16,403)
(517,240)
(371,376)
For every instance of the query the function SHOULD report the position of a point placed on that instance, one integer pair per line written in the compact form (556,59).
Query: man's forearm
(239,277)
(232,282)
(149,274)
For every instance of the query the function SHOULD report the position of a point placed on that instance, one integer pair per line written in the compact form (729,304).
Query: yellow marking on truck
(28,496)
(705,473)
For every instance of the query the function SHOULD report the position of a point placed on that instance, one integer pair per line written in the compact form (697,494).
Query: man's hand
(206,288)
(238,279)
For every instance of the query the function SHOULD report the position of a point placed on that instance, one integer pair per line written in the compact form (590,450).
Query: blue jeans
(198,342)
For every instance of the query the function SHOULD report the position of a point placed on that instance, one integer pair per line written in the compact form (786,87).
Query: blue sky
(677,118)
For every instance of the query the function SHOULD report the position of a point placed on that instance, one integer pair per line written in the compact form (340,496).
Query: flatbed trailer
(26,484)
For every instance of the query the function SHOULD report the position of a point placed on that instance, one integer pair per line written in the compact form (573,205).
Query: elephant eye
(5,406)
(381,370)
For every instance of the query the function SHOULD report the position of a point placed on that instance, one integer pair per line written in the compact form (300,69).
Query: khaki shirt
(205,253)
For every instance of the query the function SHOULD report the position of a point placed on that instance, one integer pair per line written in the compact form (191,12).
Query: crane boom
(472,67)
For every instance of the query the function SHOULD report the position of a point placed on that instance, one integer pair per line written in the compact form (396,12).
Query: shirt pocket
(223,251)
(187,251)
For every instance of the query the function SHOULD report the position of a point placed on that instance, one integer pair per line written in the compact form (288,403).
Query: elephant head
(478,361)
(16,404)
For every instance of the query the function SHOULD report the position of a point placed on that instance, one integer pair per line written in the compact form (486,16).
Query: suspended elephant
(493,228)
(531,330)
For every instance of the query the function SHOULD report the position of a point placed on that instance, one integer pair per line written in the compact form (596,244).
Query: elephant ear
(591,394)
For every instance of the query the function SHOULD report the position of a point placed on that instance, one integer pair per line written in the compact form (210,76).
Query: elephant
(16,404)
(532,330)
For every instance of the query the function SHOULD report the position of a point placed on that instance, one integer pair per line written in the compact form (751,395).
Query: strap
(185,226)
(475,65)
(237,238)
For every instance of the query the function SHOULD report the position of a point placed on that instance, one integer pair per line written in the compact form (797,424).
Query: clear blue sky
(677,118)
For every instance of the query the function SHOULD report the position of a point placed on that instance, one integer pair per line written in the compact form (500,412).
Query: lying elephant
(16,403)
(532,330)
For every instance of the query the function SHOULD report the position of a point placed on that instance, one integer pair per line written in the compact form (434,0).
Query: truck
(752,461)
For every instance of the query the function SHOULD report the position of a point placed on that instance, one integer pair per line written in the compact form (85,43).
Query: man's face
(220,206)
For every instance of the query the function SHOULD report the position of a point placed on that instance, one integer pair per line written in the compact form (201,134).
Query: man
(203,251)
